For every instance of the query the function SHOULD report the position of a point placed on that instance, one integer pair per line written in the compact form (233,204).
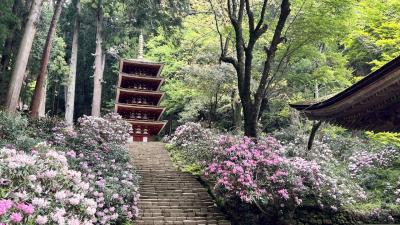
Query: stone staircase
(169,196)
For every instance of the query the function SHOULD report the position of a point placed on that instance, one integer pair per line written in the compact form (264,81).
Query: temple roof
(129,66)
(373,103)
(154,127)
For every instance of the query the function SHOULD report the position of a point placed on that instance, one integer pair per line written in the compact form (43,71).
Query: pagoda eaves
(372,104)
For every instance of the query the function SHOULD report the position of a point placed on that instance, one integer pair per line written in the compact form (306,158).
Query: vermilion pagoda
(139,96)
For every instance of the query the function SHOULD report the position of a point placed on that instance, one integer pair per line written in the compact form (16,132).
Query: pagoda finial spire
(141,45)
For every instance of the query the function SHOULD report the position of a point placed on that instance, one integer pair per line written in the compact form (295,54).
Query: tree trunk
(314,130)
(237,111)
(70,100)
(41,79)
(98,61)
(42,108)
(316,125)
(21,61)
(250,122)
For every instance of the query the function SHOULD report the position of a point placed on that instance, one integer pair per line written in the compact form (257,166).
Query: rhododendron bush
(40,187)
(93,132)
(363,160)
(260,172)
(193,142)
(102,132)
(76,176)
(267,173)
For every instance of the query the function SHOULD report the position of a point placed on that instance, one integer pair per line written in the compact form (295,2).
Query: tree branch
(284,13)
(241,11)
(250,16)
(262,16)
(217,27)
(229,59)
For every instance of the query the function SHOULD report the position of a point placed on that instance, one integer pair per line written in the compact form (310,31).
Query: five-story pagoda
(138,97)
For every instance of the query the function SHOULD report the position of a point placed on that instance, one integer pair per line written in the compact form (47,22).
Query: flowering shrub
(381,215)
(94,157)
(91,133)
(114,184)
(193,142)
(11,126)
(40,187)
(259,172)
(320,152)
(99,152)
(61,133)
(364,160)
(96,131)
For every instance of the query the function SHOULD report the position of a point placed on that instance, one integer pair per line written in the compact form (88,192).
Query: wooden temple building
(373,103)
(138,97)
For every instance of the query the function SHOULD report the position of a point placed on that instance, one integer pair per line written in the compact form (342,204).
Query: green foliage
(385,138)
(15,129)
(376,37)
(12,126)
(8,21)
(58,68)
(178,158)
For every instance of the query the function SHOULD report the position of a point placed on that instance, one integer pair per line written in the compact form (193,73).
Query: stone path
(167,195)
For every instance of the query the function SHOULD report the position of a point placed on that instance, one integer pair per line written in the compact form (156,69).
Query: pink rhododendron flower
(26,208)
(5,205)
(41,220)
(16,217)
(284,194)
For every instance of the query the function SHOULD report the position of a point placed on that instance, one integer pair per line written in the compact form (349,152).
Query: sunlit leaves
(376,37)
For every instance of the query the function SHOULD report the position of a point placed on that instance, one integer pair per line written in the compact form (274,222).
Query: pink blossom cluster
(113,183)
(194,142)
(260,172)
(99,191)
(110,129)
(189,133)
(16,211)
(73,178)
(381,215)
(61,132)
(363,160)
(102,158)
(397,192)
(34,182)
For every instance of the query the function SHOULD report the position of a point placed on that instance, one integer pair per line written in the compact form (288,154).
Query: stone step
(180,210)
(185,222)
(169,196)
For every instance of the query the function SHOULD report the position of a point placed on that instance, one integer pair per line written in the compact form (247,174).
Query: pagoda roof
(146,92)
(130,77)
(147,108)
(146,78)
(154,94)
(372,103)
(154,126)
(140,63)
(139,106)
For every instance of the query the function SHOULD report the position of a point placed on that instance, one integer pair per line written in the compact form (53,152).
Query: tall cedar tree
(21,60)
(39,97)
(69,103)
(98,62)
